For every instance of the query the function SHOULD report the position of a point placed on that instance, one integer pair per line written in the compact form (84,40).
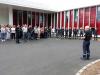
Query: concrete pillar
(60,20)
(10,16)
(57,20)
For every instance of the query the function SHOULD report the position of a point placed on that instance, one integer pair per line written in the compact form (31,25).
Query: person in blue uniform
(86,43)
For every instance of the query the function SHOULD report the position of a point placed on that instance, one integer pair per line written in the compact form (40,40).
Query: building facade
(77,18)
(74,18)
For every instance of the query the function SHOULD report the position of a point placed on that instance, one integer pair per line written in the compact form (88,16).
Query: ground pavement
(44,57)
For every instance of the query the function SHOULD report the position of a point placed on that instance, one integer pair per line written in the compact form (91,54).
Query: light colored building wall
(4,16)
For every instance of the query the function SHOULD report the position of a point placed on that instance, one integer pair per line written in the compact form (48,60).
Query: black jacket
(88,35)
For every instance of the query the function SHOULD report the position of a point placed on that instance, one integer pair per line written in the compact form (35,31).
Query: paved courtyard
(44,57)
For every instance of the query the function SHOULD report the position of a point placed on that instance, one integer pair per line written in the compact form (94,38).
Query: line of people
(72,33)
(24,32)
(27,32)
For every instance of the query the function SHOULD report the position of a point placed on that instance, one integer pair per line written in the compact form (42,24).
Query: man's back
(88,35)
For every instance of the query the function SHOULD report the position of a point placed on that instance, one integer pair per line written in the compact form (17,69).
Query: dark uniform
(94,32)
(66,33)
(18,34)
(58,33)
(62,33)
(70,33)
(86,44)
(45,32)
(75,31)
(30,33)
(81,32)
(49,32)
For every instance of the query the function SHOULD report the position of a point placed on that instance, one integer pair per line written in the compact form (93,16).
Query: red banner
(59,20)
(80,18)
(71,18)
(92,16)
(86,17)
(66,20)
(62,19)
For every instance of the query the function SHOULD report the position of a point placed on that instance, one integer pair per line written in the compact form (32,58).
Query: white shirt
(25,29)
(35,30)
(12,30)
(53,30)
(3,30)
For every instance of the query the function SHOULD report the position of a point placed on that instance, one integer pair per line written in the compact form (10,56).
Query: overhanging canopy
(52,5)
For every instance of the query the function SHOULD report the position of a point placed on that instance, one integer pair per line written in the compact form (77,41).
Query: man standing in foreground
(86,43)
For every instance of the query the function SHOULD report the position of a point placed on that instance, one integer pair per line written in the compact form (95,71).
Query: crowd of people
(27,32)
(72,33)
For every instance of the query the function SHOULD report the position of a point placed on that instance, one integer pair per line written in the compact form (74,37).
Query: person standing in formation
(13,32)
(25,30)
(3,33)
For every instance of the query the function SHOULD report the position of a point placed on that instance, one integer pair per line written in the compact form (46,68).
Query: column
(31,17)
(68,18)
(10,16)
(57,20)
(43,20)
(51,20)
(39,18)
(64,22)
(35,18)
